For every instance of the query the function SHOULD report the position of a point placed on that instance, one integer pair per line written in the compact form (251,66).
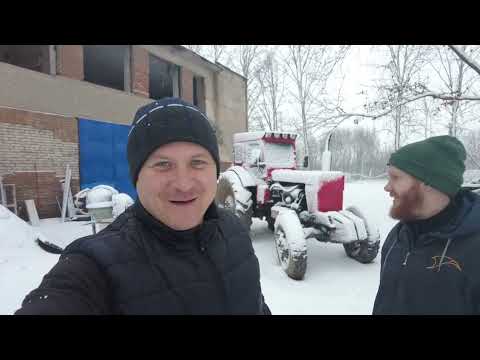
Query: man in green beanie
(431,259)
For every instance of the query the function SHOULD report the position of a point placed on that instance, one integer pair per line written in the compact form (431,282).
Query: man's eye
(161,165)
(199,163)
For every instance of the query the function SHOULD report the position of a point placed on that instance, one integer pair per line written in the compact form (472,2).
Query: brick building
(46,89)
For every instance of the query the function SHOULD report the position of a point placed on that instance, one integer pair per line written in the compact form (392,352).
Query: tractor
(265,182)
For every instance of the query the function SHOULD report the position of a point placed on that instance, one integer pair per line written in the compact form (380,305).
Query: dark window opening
(199,92)
(33,57)
(163,78)
(105,64)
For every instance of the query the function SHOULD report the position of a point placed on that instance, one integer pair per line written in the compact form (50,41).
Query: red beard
(406,204)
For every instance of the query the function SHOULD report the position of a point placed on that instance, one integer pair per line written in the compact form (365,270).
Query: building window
(33,57)
(163,78)
(199,92)
(105,65)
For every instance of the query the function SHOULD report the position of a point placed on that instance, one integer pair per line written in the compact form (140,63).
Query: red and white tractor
(264,182)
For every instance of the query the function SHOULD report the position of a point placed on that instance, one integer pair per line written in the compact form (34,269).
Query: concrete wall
(232,113)
(31,90)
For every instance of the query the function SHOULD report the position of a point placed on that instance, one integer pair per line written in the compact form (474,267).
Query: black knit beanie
(165,121)
(438,161)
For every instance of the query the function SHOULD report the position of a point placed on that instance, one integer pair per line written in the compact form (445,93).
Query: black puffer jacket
(137,265)
(436,272)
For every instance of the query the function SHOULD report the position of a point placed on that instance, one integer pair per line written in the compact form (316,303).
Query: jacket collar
(177,237)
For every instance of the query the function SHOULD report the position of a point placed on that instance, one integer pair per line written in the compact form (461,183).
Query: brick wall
(34,151)
(186,80)
(140,71)
(70,61)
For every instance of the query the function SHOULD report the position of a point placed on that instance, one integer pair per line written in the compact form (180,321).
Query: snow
(100,194)
(15,233)
(305,177)
(279,155)
(120,203)
(293,230)
(333,283)
(100,205)
(22,262)
(243,197)
(257,135)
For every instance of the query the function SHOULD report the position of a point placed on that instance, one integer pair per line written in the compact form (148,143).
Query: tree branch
(464,57)
(344,116)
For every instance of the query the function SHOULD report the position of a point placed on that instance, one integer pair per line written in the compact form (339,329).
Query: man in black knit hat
(430,258)
(173,251)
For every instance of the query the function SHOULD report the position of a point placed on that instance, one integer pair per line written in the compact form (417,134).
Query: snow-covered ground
(334,283)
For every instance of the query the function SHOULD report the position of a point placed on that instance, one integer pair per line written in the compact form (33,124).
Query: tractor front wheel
(290,244)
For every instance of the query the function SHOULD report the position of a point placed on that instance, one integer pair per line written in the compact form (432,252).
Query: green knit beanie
(438,161)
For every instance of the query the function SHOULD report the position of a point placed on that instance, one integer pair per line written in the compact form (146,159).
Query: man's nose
(183,180)
(387,187)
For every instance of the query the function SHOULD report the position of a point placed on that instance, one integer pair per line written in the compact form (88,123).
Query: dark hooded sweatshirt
(137,265)
(433,266)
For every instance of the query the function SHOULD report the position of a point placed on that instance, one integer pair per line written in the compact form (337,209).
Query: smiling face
(177,183)
(407,194)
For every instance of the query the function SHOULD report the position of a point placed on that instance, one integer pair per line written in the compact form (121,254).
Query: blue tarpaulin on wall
(103,155)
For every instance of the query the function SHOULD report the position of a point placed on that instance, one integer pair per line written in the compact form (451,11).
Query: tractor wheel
(290,244)
(364,251)
(225,198)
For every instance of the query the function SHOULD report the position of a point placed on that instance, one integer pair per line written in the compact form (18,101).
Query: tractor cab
(264,151)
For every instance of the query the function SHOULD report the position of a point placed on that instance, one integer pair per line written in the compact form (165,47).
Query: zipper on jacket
(410,250)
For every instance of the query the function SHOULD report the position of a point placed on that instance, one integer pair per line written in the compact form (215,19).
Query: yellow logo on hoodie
(446,261)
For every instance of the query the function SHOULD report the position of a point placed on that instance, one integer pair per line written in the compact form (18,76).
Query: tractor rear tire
(225,198)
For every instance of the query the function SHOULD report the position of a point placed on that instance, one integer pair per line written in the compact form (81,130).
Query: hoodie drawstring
(444,253)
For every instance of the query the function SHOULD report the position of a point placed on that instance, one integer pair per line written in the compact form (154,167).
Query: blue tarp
(103,155)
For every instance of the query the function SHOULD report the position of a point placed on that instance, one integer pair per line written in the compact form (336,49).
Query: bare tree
(466,58)
(216,53)
(309,67)
(457,79)
(358,151)
(246,60)
(199,49)
(405,63)
(271,89)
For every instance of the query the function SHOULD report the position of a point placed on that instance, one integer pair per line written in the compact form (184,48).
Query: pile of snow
(100,196)
(104,196)
(120,203)
(16,233)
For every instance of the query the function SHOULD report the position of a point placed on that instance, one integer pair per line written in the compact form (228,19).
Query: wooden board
(66,191)
(32,213)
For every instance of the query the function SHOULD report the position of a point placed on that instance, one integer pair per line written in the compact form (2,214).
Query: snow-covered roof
(257,135)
